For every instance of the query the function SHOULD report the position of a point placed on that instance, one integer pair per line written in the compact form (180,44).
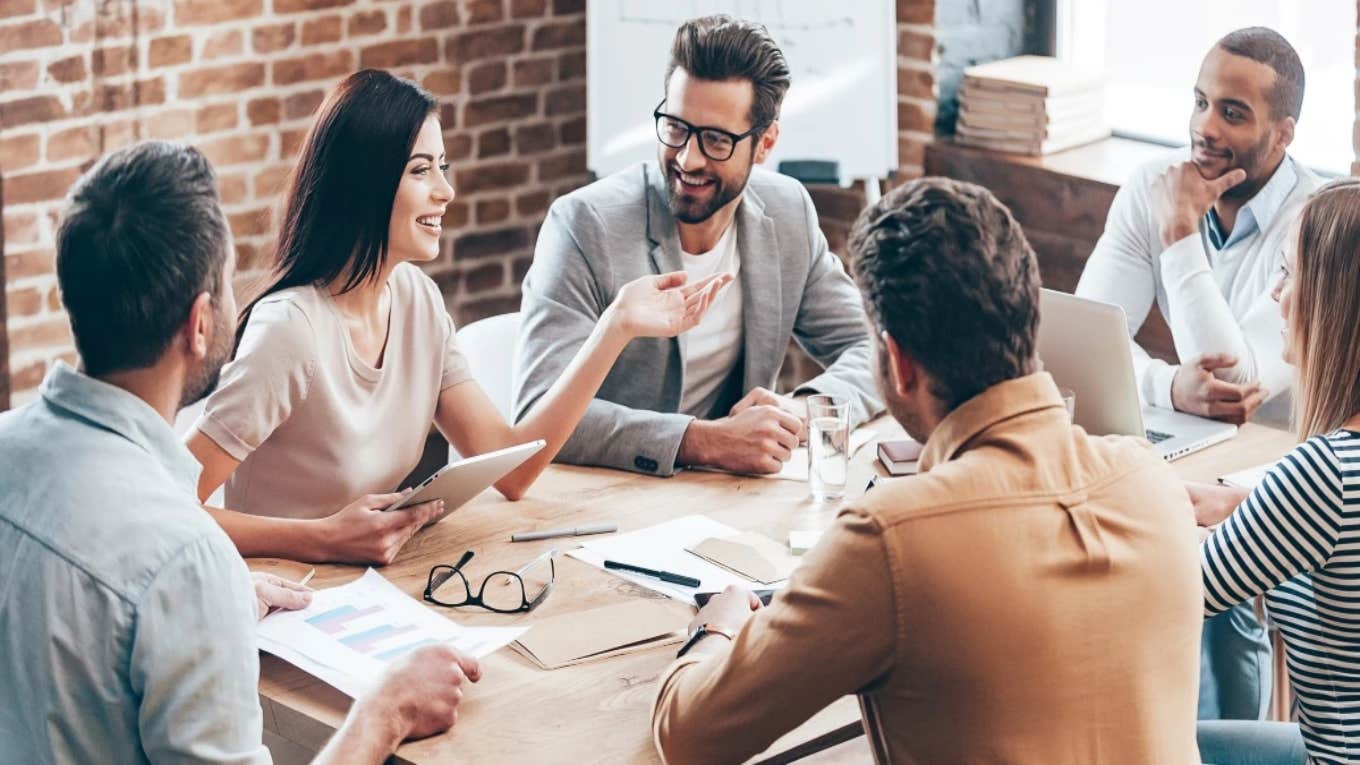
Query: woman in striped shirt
(1296,537)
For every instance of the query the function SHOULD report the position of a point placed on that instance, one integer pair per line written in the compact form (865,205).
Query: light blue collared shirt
(127,619)
(1258,212)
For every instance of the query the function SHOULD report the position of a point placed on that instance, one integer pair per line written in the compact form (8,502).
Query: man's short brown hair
(1266,46)
(720,47)
(947,272)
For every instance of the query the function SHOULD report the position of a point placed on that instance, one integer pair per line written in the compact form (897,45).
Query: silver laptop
(1084,344)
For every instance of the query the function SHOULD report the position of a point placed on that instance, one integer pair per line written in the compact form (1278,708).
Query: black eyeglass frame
(691,129)
(447,572)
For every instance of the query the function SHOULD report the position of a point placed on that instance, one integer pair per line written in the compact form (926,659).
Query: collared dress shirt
(127,618)
(1032,596)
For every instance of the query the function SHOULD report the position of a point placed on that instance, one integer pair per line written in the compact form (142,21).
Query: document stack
(1030,105)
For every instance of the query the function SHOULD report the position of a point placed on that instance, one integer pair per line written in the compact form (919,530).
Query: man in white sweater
(1204,234)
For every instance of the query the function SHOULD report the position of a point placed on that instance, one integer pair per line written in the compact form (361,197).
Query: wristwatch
(704,630)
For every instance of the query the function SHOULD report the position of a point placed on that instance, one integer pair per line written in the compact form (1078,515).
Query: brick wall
(240,79)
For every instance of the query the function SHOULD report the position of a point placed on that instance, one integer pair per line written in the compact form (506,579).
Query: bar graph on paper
(350,633)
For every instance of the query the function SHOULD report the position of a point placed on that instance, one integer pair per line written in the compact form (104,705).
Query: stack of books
(1030,105)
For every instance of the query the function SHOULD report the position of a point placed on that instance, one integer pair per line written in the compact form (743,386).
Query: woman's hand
(1213,504)
(363,533)
(664,306)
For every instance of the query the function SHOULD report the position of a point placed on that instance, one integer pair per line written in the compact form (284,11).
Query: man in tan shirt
(1033,596)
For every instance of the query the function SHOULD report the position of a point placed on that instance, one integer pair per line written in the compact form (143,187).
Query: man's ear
(902,372)
(766,142)
(199,326)
(1285,136)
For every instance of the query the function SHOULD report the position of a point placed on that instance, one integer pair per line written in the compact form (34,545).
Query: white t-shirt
(713,347)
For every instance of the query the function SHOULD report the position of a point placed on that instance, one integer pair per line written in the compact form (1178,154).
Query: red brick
(492,211)
(216,117)
(918,46)
(448,116)
(915,11)
(532,204)
(500,109)
(484,78)
(562,166)
(367,23)
(27,263)
(568,34)
(315,66)
(493,42)
(28,376)
(222,44)
(27,35)
(272,37)
(26,111)
(54,305)
(175,123)
(191,12)
(12,8)
(404,19)
(290,141)
(469,312)
(571,65)
(119,24)
(444,81)
(44,333)
(528,9)
(297,6)
(80,142)
(400,53)
(483,278)
(18,75)
(18,152)
(483,244)
(573,131)
(532,71)
(27,301)
(21,228)
(263,111)
(535,139)
(915,83)
(568,100)
(231,188)
(493,143)
(301,105)
(119,134)
(567,7)
(67,70)
(914,116)
(110,62)
(457,215)
(168,51)
(458,146)
(440,15)
(323,30)
(221,80)
(484,11)
(500,175)
(236,149)
(116,97)
(255,222)
(270,181)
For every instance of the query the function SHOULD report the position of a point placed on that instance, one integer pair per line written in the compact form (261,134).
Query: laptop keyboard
(1156,436)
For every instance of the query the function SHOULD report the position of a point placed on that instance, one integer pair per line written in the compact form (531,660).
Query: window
(1151,51)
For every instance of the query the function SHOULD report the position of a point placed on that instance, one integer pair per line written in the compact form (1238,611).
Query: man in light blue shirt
(127,619)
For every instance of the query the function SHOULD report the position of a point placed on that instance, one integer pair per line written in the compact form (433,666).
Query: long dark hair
(340,193)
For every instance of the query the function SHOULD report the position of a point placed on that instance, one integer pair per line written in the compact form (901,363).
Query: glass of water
(828,446)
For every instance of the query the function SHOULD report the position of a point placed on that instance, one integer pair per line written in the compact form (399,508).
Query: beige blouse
(314,426)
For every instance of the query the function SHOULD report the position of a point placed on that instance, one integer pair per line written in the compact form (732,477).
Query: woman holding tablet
(349,355)
(1296,537)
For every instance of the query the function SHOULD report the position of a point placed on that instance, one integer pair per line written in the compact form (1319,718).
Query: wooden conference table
(601,711)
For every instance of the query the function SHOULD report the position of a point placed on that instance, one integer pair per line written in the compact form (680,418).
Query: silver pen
(579,531)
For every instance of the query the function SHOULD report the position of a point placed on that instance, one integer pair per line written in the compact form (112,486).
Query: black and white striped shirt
(1297,539)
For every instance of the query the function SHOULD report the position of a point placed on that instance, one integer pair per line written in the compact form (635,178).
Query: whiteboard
(842,54)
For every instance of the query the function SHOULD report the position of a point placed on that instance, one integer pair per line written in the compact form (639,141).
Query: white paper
(349,634)
(662,547)
(1247,479)
(796,469)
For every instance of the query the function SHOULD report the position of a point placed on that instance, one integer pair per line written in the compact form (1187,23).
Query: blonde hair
(1325,327)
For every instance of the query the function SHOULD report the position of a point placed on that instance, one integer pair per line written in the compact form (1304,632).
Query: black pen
(665,576)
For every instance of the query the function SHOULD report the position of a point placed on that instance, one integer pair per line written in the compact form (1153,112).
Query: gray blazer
(600,237)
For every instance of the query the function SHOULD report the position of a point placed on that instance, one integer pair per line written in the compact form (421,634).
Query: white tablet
(458,482)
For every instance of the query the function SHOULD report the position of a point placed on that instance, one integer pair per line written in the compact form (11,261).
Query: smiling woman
(349,354)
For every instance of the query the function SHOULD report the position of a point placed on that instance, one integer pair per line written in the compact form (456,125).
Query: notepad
(751,555)
(1248,478)
(614,630)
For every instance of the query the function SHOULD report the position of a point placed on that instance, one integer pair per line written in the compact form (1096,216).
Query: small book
(899,457)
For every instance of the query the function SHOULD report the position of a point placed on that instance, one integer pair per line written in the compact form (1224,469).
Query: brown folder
(634,625)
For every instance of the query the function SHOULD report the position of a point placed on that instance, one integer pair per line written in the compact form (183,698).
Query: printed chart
(349,634)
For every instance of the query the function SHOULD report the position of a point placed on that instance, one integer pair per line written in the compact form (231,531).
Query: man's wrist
(372,727)
(694,443)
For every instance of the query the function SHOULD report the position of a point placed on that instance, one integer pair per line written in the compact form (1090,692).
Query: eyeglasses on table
(505,592)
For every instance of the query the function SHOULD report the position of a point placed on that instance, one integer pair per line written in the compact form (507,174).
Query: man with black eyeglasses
(702,399)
